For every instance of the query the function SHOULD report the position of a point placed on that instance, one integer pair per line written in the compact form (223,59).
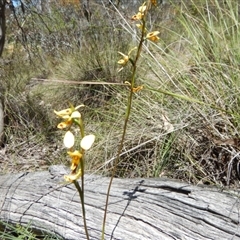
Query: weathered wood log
(139,208)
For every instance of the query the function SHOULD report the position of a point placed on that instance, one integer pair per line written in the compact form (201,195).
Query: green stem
(128,111)
(81,194)
(81,189)
(82,165)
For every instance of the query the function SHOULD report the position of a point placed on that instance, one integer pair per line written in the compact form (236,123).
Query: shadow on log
(139,208)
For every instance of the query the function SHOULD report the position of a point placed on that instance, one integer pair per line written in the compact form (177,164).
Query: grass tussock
(10,232)
(184,123)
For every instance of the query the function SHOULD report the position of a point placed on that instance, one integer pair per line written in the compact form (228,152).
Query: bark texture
(139,208)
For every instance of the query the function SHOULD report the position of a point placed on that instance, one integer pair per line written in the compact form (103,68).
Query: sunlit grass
(195,63)
(184,123)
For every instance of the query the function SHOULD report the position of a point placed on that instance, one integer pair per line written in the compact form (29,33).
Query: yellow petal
(131,51)
(137,16)
(121,62)
(63,112)
(137,89)
(74,165)
(123,54)
(62,125)
(68,111)
(134,17)
(87,141)
(143,8)
(73,177)
(75,154)
(151,34)
(154,38)
(68,139)
(76,157)
(65,124)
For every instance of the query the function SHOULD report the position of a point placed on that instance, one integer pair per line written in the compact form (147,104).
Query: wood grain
(139,208)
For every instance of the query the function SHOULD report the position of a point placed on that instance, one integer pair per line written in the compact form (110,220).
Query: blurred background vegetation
(184,123)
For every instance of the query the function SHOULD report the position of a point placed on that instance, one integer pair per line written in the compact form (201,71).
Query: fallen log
(138,209)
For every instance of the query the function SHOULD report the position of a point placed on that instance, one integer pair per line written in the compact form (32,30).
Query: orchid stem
(128,111)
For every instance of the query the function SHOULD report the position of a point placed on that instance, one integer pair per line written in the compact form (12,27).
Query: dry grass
(182,134)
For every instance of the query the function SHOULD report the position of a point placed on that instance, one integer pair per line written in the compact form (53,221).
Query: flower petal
(73,177)
(122,54)
(75,154)
(137,16)
(68,139)
(143,8)
(65,124)
(129,53)
(121,62)
(76,114)
(87,141)
(63,112)
(152,36)
(137,89)
(79,106)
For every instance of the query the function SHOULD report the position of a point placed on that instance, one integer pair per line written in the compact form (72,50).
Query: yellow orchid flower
(124,60)
(66,113)
(69,114)
(137,16)
(141,12)
(152,36)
